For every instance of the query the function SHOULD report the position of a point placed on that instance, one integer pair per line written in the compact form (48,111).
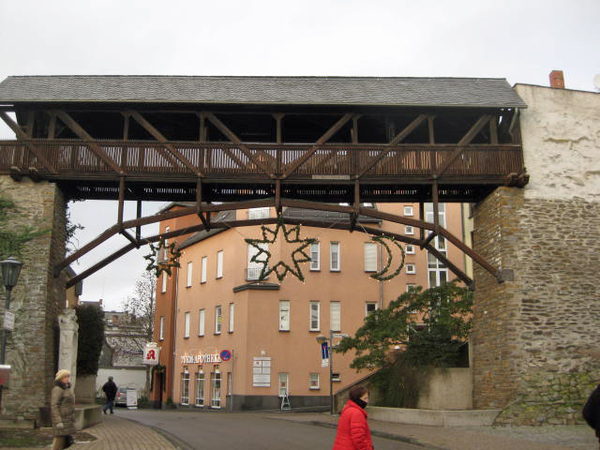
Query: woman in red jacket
(353,432)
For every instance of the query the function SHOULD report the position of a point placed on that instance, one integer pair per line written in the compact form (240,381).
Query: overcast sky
(521,41)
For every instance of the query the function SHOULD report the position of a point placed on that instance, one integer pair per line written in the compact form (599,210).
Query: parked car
(121,398)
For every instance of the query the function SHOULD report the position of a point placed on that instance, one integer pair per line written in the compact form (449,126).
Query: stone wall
(535,338)
(38,298)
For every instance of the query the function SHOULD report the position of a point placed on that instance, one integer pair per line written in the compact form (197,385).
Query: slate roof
(357,91)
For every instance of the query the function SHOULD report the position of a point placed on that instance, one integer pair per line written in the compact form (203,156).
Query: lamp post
(322,339)
(11,269)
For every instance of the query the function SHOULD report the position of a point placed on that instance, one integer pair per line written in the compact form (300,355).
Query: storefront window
(216,389)
(200,388)
(185,387)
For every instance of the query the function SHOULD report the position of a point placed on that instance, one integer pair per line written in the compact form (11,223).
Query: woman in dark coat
(591,411)
(353,431)
(62,410)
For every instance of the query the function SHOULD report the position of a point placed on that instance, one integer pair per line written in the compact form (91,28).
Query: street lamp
(321,340)
(11,269)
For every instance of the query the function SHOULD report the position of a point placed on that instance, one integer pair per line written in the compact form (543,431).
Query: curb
(383,434)
(177,443)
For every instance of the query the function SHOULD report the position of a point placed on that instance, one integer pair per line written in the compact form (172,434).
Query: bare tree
(141,306)
(142,303)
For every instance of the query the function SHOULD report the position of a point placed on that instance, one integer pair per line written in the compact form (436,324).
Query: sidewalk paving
(577,437)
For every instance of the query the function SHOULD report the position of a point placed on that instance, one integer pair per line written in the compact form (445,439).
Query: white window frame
(314,306)
(315,263)
(370,256)
(409,210)
(367,307)
(410,249)
(409,229)
(259,213)
(201,322)
(200,379)
(218,319)
(163,287)
(185,387)
(283,383)
(203,269)
(285,315)
(215,400)
(410,286)
(189,274)
(316,377)
(335,315)
(253,269)
(332,246)
(220,264)
(161,329)
(411,269)
(231,316)
(186,325)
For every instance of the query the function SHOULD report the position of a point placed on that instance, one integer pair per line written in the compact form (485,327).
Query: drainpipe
(174,337)
(380,268)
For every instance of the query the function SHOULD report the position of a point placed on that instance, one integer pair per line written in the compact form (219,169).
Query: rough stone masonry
(37,299)
(535,339)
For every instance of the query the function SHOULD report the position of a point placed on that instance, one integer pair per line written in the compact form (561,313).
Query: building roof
(343,91)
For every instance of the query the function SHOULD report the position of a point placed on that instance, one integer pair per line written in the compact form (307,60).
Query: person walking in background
(62,410)
(591,411)
(353,431)
(110,389)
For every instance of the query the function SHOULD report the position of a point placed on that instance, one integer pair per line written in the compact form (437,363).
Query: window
(284,315)
(185,387)
(283,384)
(409,211)
(186,325)
(441,210)
(163,287)
(370,256)
(335,316)
(215,401)
(231,316)
(315,256)
(259,213)
(189,275)
(313,382)
(410,287)
(410,249)
(254,267)
(220,264)
(203,269)
(218,319)
(334,256)
(161,328)
(437,271)
(409,229)
(370,307)
(411,269)
(201,321)
(315,315)
(200,388)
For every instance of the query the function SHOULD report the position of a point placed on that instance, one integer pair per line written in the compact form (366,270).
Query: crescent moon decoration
(382,274)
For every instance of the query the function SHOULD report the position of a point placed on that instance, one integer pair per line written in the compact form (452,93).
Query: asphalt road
(244,431)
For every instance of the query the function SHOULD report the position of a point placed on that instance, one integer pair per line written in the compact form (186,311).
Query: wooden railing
(136,158)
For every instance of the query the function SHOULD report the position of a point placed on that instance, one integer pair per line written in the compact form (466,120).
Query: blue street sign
(225,355)
(324,350)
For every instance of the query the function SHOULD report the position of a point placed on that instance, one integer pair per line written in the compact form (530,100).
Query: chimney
(557,79)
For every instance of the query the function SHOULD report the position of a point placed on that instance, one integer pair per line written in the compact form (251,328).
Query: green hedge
(91,338)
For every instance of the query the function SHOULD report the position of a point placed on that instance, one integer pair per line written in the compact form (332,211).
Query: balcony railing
(70,158)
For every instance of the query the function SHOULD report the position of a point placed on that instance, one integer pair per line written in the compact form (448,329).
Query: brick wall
(37,299)
(535,339)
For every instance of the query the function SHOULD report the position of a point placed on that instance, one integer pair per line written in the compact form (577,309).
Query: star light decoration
(171,258)
(281,269)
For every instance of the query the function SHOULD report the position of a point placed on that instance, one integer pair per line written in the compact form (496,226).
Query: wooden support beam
(459,273)
(430,129)
(92,144)
(138,215)
(30,124)
(278,197)
(396,140)
(466,140)
(95,268)
(163,140)
(52,126)
(22,136)
(233,138)
(328,134)
(205,218)
(121,203)
(493,131)
(130,238)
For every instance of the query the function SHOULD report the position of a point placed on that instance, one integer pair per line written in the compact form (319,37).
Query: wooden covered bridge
(311,142)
